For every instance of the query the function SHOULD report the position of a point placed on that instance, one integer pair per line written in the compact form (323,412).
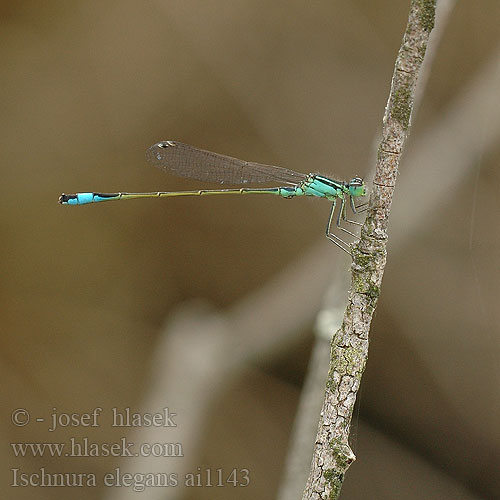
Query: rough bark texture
(349,348)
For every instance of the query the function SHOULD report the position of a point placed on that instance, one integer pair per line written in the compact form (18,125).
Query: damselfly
(187,161)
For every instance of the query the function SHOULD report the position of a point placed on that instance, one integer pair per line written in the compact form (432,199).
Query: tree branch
(349,347)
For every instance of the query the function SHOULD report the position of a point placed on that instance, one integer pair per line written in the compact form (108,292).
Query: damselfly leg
(341,216)
(343,213)
(332,236)
(362,207)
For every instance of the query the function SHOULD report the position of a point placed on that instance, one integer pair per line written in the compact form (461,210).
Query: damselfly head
(357,187)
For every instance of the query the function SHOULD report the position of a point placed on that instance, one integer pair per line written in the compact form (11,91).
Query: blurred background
(207,306)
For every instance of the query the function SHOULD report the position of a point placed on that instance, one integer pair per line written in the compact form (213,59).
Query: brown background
(88,86)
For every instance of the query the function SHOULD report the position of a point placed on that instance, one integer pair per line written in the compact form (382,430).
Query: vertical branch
(349,347)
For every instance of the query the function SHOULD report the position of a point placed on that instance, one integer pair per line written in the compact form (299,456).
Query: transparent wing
(187,161)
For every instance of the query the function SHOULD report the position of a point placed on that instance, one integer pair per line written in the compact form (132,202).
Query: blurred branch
(306,420)
(349,348)
(203,349)
(444,8)
(452,142)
